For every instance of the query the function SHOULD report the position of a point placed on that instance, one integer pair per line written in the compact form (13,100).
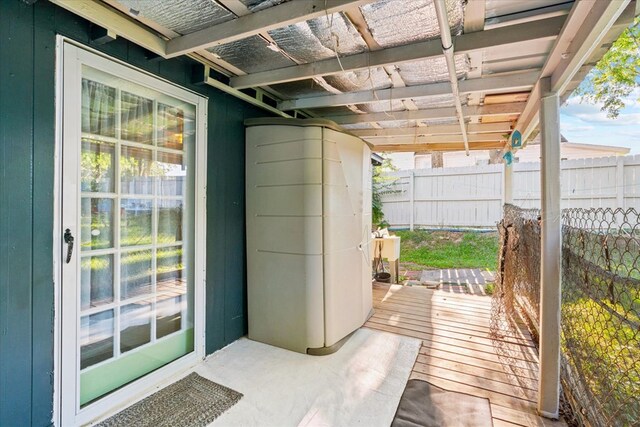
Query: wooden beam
(235,6)
(431,139)
(458,146)
(249,25)
(101,35)
(357,19)
(536,13)
(472,128)
(499,38)
(506,97)
(585,41)
(116,21)
(205,57)
(474,12)
(106,17)
(511,82)
(498,118)
(586,25)
(432,113)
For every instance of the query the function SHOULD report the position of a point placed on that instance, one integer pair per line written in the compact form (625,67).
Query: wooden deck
(458,353)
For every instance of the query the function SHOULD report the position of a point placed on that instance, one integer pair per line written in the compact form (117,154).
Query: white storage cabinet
(308,213)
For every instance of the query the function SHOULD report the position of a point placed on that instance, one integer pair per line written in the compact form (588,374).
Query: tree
(616,75)
(381,185)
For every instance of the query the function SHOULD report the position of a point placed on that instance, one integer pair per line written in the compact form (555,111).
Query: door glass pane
(172,287)
(135,276)
(96,228)
(170,126)
(136,115)
(96,281)
(136,171)
(171,174)
(169,221)
(135,325)
(137,232)
(96,338)
(98,108)
(97,166)
(136,222)
(170,270)
(169,314)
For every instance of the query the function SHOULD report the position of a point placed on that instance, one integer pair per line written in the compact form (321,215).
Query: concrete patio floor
(361,384)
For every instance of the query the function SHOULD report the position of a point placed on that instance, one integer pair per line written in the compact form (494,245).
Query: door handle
(68,239)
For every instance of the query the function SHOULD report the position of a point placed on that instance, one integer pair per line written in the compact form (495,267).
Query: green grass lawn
(444,249)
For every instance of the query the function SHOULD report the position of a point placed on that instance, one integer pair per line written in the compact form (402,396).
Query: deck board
(458,352)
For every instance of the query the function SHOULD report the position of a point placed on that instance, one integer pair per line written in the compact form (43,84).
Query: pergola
(405,75)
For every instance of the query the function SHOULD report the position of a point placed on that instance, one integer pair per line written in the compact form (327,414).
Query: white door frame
(70,57)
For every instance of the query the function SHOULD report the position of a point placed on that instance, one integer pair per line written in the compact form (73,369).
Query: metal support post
(551,256)
(507,197)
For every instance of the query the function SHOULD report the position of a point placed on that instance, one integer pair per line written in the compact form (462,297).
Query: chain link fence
(600,306)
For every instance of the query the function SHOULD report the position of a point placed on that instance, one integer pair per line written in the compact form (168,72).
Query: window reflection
(98,108)
(136,118)
(135,325)
(135,274)
(96,338)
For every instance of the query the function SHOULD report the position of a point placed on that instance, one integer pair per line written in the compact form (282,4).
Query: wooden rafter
(494,84)
(445,146)
(255,23)
(505,37)
(431,113)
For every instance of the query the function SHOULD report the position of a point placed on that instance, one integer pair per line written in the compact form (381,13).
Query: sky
(585,123)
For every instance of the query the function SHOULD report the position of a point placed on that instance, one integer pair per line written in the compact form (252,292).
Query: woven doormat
(193,401)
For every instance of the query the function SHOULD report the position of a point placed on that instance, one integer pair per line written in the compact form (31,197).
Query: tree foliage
(381,185)
(616,75)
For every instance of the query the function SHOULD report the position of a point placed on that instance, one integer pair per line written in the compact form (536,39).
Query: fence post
(620,181)
(412,179)
(551,253)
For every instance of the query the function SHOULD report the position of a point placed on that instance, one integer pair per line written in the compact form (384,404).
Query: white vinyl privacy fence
(473,196)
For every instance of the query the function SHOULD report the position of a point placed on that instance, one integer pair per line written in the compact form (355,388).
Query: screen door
(129,225)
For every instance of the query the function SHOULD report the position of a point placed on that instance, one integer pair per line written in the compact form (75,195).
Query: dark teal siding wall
(27,134)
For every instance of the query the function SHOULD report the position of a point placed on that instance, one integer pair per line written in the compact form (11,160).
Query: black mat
(425,405)
(193,401)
